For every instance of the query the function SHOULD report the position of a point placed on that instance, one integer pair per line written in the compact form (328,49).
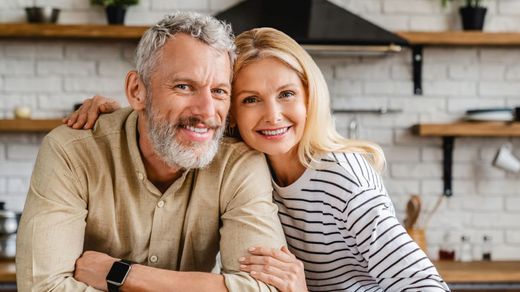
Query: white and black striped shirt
(340,222)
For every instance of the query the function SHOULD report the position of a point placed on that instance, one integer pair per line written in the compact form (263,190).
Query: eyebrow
(278,89)
(173,79)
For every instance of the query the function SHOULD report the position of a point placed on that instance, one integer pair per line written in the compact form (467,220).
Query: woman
(339,222)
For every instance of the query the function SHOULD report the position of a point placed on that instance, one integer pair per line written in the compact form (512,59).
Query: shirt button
(140,175)
(153,259)
(160,204)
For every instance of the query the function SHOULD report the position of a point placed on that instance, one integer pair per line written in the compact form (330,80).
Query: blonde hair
(320,135)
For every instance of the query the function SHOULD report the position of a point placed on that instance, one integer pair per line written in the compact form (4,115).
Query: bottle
(446,250)
(465,254)
(486,248)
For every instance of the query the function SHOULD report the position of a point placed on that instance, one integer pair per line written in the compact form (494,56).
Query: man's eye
(182,86)
(219,91)
(250,99)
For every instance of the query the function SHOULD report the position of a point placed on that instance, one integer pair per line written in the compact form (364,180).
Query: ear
(135,91)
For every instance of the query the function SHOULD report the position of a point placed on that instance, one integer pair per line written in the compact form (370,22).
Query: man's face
(187,102)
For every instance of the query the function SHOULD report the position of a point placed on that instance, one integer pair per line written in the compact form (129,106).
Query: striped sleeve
(395,261)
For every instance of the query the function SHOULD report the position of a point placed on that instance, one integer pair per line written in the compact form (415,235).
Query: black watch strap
(113,287)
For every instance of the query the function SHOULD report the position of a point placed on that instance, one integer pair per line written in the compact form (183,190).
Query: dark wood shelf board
(27,125)
(469,129)
(461,38)
(87,31)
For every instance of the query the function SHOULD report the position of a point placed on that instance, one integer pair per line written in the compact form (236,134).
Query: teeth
(197,130)
(274,132)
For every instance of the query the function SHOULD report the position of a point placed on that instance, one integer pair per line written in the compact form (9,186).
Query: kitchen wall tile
(390,22)
(499,187)
(414,170)
(397,187)
(114,68)
(11,168)
(402,153)
(92,51)
(404,7)
(67,68)
(33,84)
(432,23)
(512,203)
(499,88)
(3,185)
(471,202)
(491,71)
(95,15)
(460,105)
(10,67)
(95,84)
(2,152)
(17,185)
(450,88)
(22,152)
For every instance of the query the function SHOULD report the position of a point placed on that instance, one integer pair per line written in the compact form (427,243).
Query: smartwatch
(117,275)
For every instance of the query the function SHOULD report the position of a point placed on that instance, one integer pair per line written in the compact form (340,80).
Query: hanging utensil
(413,209)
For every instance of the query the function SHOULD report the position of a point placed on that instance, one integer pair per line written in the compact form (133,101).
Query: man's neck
(158,172)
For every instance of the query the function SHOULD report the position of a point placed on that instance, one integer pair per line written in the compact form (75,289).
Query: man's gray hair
(205,28)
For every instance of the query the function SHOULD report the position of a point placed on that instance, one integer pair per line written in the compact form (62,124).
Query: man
(150,185)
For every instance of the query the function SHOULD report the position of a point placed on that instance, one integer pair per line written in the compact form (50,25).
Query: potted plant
(472,13)
(115,9)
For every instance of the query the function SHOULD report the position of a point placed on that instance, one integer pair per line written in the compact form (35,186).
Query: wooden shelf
(88,31)
(461,38)
(479,272)
(23,125)
(469,129)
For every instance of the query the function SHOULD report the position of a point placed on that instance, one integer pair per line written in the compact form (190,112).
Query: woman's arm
(86,116)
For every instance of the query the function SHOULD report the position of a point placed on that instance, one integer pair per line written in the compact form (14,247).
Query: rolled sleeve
(249,218)
(52,228)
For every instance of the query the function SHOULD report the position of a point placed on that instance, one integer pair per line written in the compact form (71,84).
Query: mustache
(193,121)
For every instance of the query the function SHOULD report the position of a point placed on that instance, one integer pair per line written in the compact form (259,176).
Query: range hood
(320,26)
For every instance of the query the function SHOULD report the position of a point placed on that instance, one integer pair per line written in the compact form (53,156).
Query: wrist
(117,275)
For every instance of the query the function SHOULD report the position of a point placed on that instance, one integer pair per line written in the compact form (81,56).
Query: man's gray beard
(163,138)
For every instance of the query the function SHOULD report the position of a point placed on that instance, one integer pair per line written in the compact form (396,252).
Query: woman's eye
(250,99)
(286,94)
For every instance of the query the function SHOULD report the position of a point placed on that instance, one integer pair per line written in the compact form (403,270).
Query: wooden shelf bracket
(448,143)
(417,61)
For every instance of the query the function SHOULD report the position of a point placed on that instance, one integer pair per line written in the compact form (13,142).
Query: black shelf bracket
(448,143)
(417,61)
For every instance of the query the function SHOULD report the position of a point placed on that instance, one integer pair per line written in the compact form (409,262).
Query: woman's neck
(286,168)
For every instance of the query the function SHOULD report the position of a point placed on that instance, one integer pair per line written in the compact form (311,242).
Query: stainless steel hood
(319,25)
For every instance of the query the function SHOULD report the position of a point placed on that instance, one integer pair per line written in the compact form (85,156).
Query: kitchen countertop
(452,272)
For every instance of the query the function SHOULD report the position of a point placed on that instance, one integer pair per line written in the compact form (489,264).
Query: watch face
(118,273)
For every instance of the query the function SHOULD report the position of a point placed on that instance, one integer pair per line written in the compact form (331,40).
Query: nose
(204,104)
(273,113)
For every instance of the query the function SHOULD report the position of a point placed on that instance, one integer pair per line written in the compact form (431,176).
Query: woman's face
(269,106)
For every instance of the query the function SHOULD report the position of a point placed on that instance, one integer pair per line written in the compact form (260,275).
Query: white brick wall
(50,76)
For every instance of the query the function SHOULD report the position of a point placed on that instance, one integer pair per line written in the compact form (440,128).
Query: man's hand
(277,267)
(92,269)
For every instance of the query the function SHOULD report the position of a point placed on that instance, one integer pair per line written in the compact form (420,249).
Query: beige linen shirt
(89,191)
